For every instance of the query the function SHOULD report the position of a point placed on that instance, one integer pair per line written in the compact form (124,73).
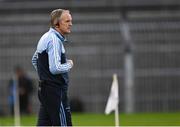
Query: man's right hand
(71,62)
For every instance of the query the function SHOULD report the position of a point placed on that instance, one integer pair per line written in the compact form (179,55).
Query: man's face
(65,23)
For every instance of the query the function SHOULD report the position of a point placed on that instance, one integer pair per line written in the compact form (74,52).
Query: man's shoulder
(43,42)
(46,35)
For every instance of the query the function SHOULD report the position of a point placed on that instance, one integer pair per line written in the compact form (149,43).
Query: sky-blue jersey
(50,60)
(52,42)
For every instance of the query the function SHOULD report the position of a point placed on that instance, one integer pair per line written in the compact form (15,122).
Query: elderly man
(52,66)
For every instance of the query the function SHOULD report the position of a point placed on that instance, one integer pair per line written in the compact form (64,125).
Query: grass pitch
(89,119)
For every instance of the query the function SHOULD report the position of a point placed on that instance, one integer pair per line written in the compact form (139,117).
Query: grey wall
(97,47)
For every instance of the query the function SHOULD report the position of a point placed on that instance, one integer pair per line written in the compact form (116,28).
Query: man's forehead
(66,14)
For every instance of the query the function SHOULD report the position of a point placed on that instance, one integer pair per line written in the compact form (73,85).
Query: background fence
(137,39)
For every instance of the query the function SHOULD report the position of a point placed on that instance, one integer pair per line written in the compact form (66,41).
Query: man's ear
(57,25)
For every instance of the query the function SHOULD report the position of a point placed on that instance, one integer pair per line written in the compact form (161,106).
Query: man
(25,87)
(52,66)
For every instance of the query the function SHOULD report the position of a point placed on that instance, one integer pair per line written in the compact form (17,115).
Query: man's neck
(59,31)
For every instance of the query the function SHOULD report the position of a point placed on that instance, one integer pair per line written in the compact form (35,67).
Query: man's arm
(34,60)
(54,55)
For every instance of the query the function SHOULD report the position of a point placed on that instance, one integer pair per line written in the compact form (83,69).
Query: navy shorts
(54,106)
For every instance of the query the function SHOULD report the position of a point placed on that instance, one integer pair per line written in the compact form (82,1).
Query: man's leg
(43,117)
(52,99)
(65,109)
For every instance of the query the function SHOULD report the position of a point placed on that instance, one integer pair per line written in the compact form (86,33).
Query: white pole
(16,102)
(129,69)
(117,109)
(113,100)
(117,117)
(129,86)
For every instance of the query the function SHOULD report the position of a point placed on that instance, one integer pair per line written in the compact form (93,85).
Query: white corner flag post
(16,102)
(113,100)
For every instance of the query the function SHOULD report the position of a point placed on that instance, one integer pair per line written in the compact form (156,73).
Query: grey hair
(55,17)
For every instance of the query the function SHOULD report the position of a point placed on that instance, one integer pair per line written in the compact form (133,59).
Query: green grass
(88,119)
